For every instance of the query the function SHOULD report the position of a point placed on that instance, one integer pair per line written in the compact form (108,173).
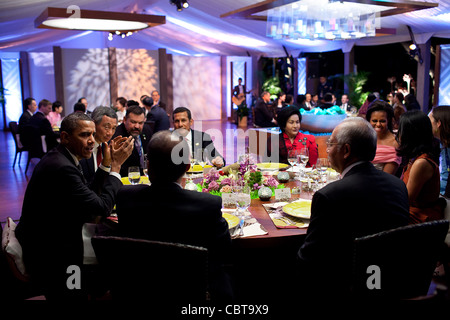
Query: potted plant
(242,113)
(355,83)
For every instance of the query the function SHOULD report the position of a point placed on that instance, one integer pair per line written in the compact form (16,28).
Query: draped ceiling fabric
(196,31)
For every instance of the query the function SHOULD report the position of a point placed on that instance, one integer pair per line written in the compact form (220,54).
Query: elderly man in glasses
(363,202)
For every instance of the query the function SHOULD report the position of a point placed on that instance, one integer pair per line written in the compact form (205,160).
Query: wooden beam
(113,75)
(59,79)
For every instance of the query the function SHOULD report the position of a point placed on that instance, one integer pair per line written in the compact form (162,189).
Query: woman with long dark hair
(440,121)
(421,174)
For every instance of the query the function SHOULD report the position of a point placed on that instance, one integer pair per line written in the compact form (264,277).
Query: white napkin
(253,230)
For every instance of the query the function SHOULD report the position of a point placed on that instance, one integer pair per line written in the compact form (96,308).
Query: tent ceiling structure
(200,29)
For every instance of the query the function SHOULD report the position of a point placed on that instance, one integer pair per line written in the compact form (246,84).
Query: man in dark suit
(143,211)
(345,105)
(198,141)
(105,120)
(327,101)
(157,100)
(39,120)
(30,107)
(263,116)
(363,202)
(57,203)
(134,125)
(156,114)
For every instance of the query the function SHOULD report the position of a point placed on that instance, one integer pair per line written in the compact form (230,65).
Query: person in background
(55,115)
(29,108)
(306,104)
(120,106)
(345,105)
(371,200)
(79,107)
(156,114)
(411,102)
(327,101)
(289,120)
(421,174)
(198,215)
(157,100)
(440,122)
(263,116)
(50,232)
(315,101)
(324,87)
(366,105)
(134,125)
(280,102)
(84,101)
(39,120)
(290,101)
(381,117)
(131,103)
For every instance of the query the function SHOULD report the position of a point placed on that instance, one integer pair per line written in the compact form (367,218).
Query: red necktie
(99,155)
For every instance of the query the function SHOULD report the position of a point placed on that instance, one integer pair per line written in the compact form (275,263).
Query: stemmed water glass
(241,194)
(292,159)
(322,166)
(303,158)
(201,158)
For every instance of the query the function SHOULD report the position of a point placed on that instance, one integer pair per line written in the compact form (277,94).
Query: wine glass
(303,158)
(243,199)
(322,167)
(134,174)
(292,158)
(201,158)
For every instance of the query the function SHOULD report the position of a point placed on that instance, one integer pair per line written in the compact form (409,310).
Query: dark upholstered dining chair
(14,128)
(403,261)
(139,269)
(34,142)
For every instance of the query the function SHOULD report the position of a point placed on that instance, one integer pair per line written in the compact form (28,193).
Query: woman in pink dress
(381,116)
(54,116)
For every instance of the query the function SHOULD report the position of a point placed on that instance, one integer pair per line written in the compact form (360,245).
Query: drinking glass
(242,198)
(292,158)
(201,158)
(303,158)
(322,166)
(134,175)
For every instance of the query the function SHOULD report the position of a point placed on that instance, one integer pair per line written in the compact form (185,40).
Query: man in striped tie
(105,120)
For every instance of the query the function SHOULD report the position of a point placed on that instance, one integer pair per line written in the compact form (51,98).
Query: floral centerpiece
(217,182)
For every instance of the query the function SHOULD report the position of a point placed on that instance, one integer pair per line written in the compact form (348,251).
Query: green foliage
(272,85)
(355,83)
(242,110)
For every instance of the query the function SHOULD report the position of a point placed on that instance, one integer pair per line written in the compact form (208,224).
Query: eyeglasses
(329,144)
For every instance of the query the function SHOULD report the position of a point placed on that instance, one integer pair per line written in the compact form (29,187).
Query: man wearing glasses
(364,201)
(105,120)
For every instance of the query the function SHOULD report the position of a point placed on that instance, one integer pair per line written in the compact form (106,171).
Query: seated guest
(49,231)
(79,107)
(197,140)
(156,114)
(30,107)
(411,102)
(196,216)
(120,105)
(83,100)
(421,175)
(307,104)
(290,138)
(381,117)
(345,105)
(157,100)
(134,125)
(105,119)
(290,101)
(371,200)
(440,122)
(366,105)
(315,101)
(263,115)
(280,102)
(55,115)
(39,120)
(327,101)
(132,103)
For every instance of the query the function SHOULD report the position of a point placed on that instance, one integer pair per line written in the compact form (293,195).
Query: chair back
(31,139)
(14,128)
(398,263)
(139,269)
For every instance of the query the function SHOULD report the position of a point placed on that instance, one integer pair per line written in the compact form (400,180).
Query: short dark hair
(415,134)
(99,112)
(79,107)
(79,100)
(328,97)
(132,103)
(285,114)
(56,105)
(70,123)
(371,97)
(148,101)
(161,150)
(137,110)
(27,102)
(380,105)
(122,101)
(182,109)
